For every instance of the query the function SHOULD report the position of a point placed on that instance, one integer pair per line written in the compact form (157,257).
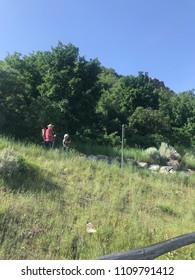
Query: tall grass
(93,148)
(43,214)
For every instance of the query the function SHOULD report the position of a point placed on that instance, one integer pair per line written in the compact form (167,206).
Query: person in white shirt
(66,142)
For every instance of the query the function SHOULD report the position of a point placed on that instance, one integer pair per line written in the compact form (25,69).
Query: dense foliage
(90,101)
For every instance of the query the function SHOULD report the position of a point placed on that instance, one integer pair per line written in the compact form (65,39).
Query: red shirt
(49,134)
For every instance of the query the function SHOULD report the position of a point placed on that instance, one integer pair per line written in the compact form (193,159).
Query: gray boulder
(154,167)
(142,164)
(168,152)
(166,169)
(176,165)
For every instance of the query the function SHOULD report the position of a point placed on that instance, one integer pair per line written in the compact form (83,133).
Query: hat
(50,125)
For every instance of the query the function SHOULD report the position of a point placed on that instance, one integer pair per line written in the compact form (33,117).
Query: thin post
(122,145)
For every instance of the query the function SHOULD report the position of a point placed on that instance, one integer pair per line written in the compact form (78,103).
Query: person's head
(50,125)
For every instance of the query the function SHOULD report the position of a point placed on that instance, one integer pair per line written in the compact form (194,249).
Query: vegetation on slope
(46,205)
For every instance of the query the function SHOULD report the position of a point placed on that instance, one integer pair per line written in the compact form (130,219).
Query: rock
(92,157)
(175,164)
(166,169)
(111,160)
(168,152)
(90,228)
(131,161)
(154,167)
(142,164)
(101,157)
(172,171)
(186,172)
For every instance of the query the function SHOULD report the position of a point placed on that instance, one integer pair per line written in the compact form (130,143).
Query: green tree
(60,87)
(119,102)
(182,118)
(12,101)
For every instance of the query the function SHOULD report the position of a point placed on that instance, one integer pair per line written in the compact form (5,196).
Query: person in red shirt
(49,136)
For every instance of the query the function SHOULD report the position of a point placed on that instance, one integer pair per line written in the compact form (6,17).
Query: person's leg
(47,145)
(50,144)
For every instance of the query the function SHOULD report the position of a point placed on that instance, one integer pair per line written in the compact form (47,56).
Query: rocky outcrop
(164,160)
(168,153)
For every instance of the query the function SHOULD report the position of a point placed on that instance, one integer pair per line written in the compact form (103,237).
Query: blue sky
(154,36)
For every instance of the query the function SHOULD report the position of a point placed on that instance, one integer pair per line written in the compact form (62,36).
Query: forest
(89,101)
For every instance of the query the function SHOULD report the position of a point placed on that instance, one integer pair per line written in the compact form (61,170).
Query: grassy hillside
(47,201)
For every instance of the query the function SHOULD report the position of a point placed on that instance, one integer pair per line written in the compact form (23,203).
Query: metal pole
(122,145)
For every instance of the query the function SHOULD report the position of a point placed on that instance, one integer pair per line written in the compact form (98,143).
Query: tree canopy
(86,99)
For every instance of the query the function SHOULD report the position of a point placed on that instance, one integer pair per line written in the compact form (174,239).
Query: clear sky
(154,36)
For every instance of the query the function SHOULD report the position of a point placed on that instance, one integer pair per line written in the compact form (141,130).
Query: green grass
(189,161)
(44,211)
(90,148)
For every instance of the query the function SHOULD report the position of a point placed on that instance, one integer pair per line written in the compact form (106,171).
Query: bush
(154,155)
(10,163)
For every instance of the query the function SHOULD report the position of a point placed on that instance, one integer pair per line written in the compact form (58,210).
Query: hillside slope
(46,205)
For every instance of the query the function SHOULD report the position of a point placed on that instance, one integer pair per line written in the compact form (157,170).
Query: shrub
(10,163)
(189,161)
(154,155)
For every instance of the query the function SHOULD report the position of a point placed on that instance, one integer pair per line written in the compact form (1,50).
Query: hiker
(66,142)
(49,137)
